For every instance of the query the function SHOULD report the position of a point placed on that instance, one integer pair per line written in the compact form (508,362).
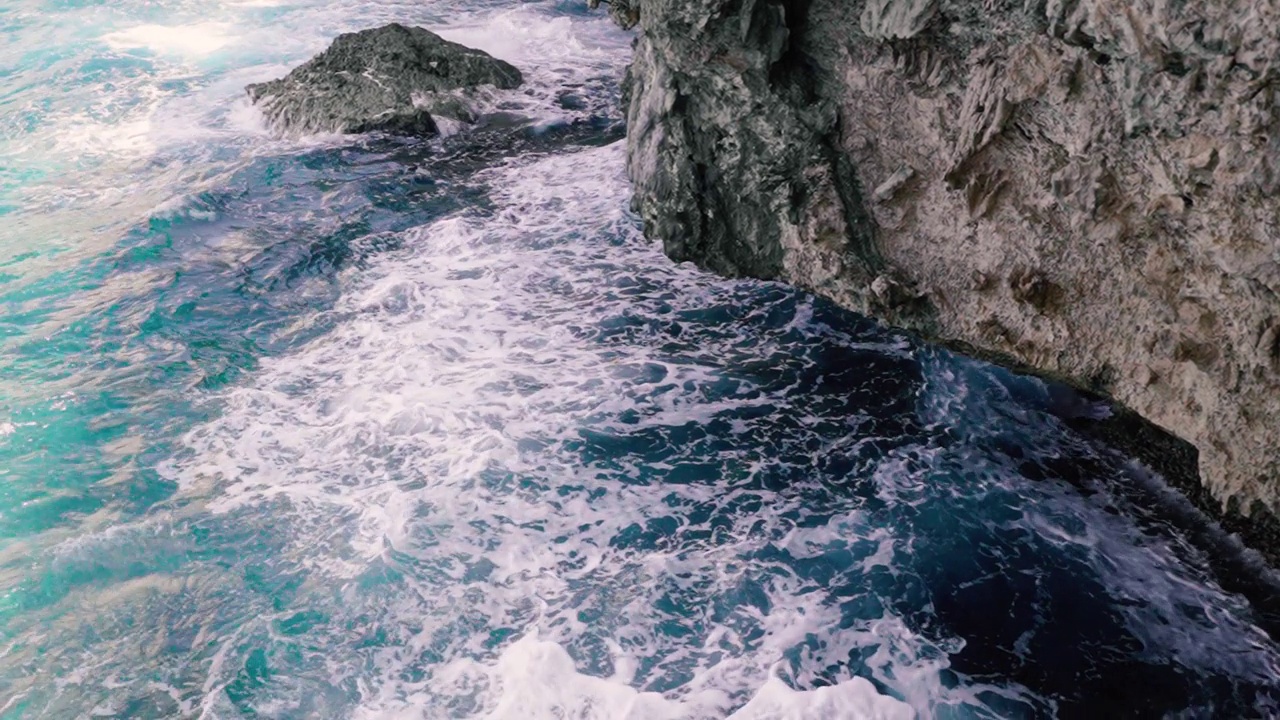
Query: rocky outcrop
(1085,188)
(394,79)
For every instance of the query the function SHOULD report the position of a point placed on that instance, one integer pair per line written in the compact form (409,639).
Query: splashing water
(353,427)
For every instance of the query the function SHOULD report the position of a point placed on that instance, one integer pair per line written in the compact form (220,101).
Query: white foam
(404,430)
(522,35)
(553,54)
(191,40)
(537,679)
(853,699)
(83,134)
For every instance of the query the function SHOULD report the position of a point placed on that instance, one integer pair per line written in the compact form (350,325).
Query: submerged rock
(393,78)
(1087,189)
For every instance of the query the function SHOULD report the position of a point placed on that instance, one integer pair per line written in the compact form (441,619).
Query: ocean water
(335,427)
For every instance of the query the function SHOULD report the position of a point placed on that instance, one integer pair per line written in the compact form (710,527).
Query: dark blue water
(352,427)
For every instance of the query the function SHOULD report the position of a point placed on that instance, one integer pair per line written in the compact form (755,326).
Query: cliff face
(1089,188)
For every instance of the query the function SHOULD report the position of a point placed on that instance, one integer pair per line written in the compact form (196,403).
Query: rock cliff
(1084,188)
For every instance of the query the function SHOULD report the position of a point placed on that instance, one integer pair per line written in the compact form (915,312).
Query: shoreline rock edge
(1088,190)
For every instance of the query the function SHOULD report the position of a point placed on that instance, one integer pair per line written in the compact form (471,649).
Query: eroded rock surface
(392,78)
(1088,188)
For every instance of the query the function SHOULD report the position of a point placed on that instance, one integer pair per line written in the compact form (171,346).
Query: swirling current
(363,428)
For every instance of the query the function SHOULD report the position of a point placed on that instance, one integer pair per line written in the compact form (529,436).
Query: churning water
(351,427)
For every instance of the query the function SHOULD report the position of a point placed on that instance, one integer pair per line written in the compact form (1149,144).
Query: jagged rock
(890,19)
(393,78)
(624,12)
(1094,188)
(887,189)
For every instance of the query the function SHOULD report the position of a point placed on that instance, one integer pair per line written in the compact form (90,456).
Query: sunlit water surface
(350,427)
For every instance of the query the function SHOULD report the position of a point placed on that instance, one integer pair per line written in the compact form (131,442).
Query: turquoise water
(352,427)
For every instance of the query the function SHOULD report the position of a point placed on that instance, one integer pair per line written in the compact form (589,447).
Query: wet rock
(1061,177)
(393,78)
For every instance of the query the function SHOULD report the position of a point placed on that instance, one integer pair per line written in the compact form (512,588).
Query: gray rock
(393,78)
(1089,189)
